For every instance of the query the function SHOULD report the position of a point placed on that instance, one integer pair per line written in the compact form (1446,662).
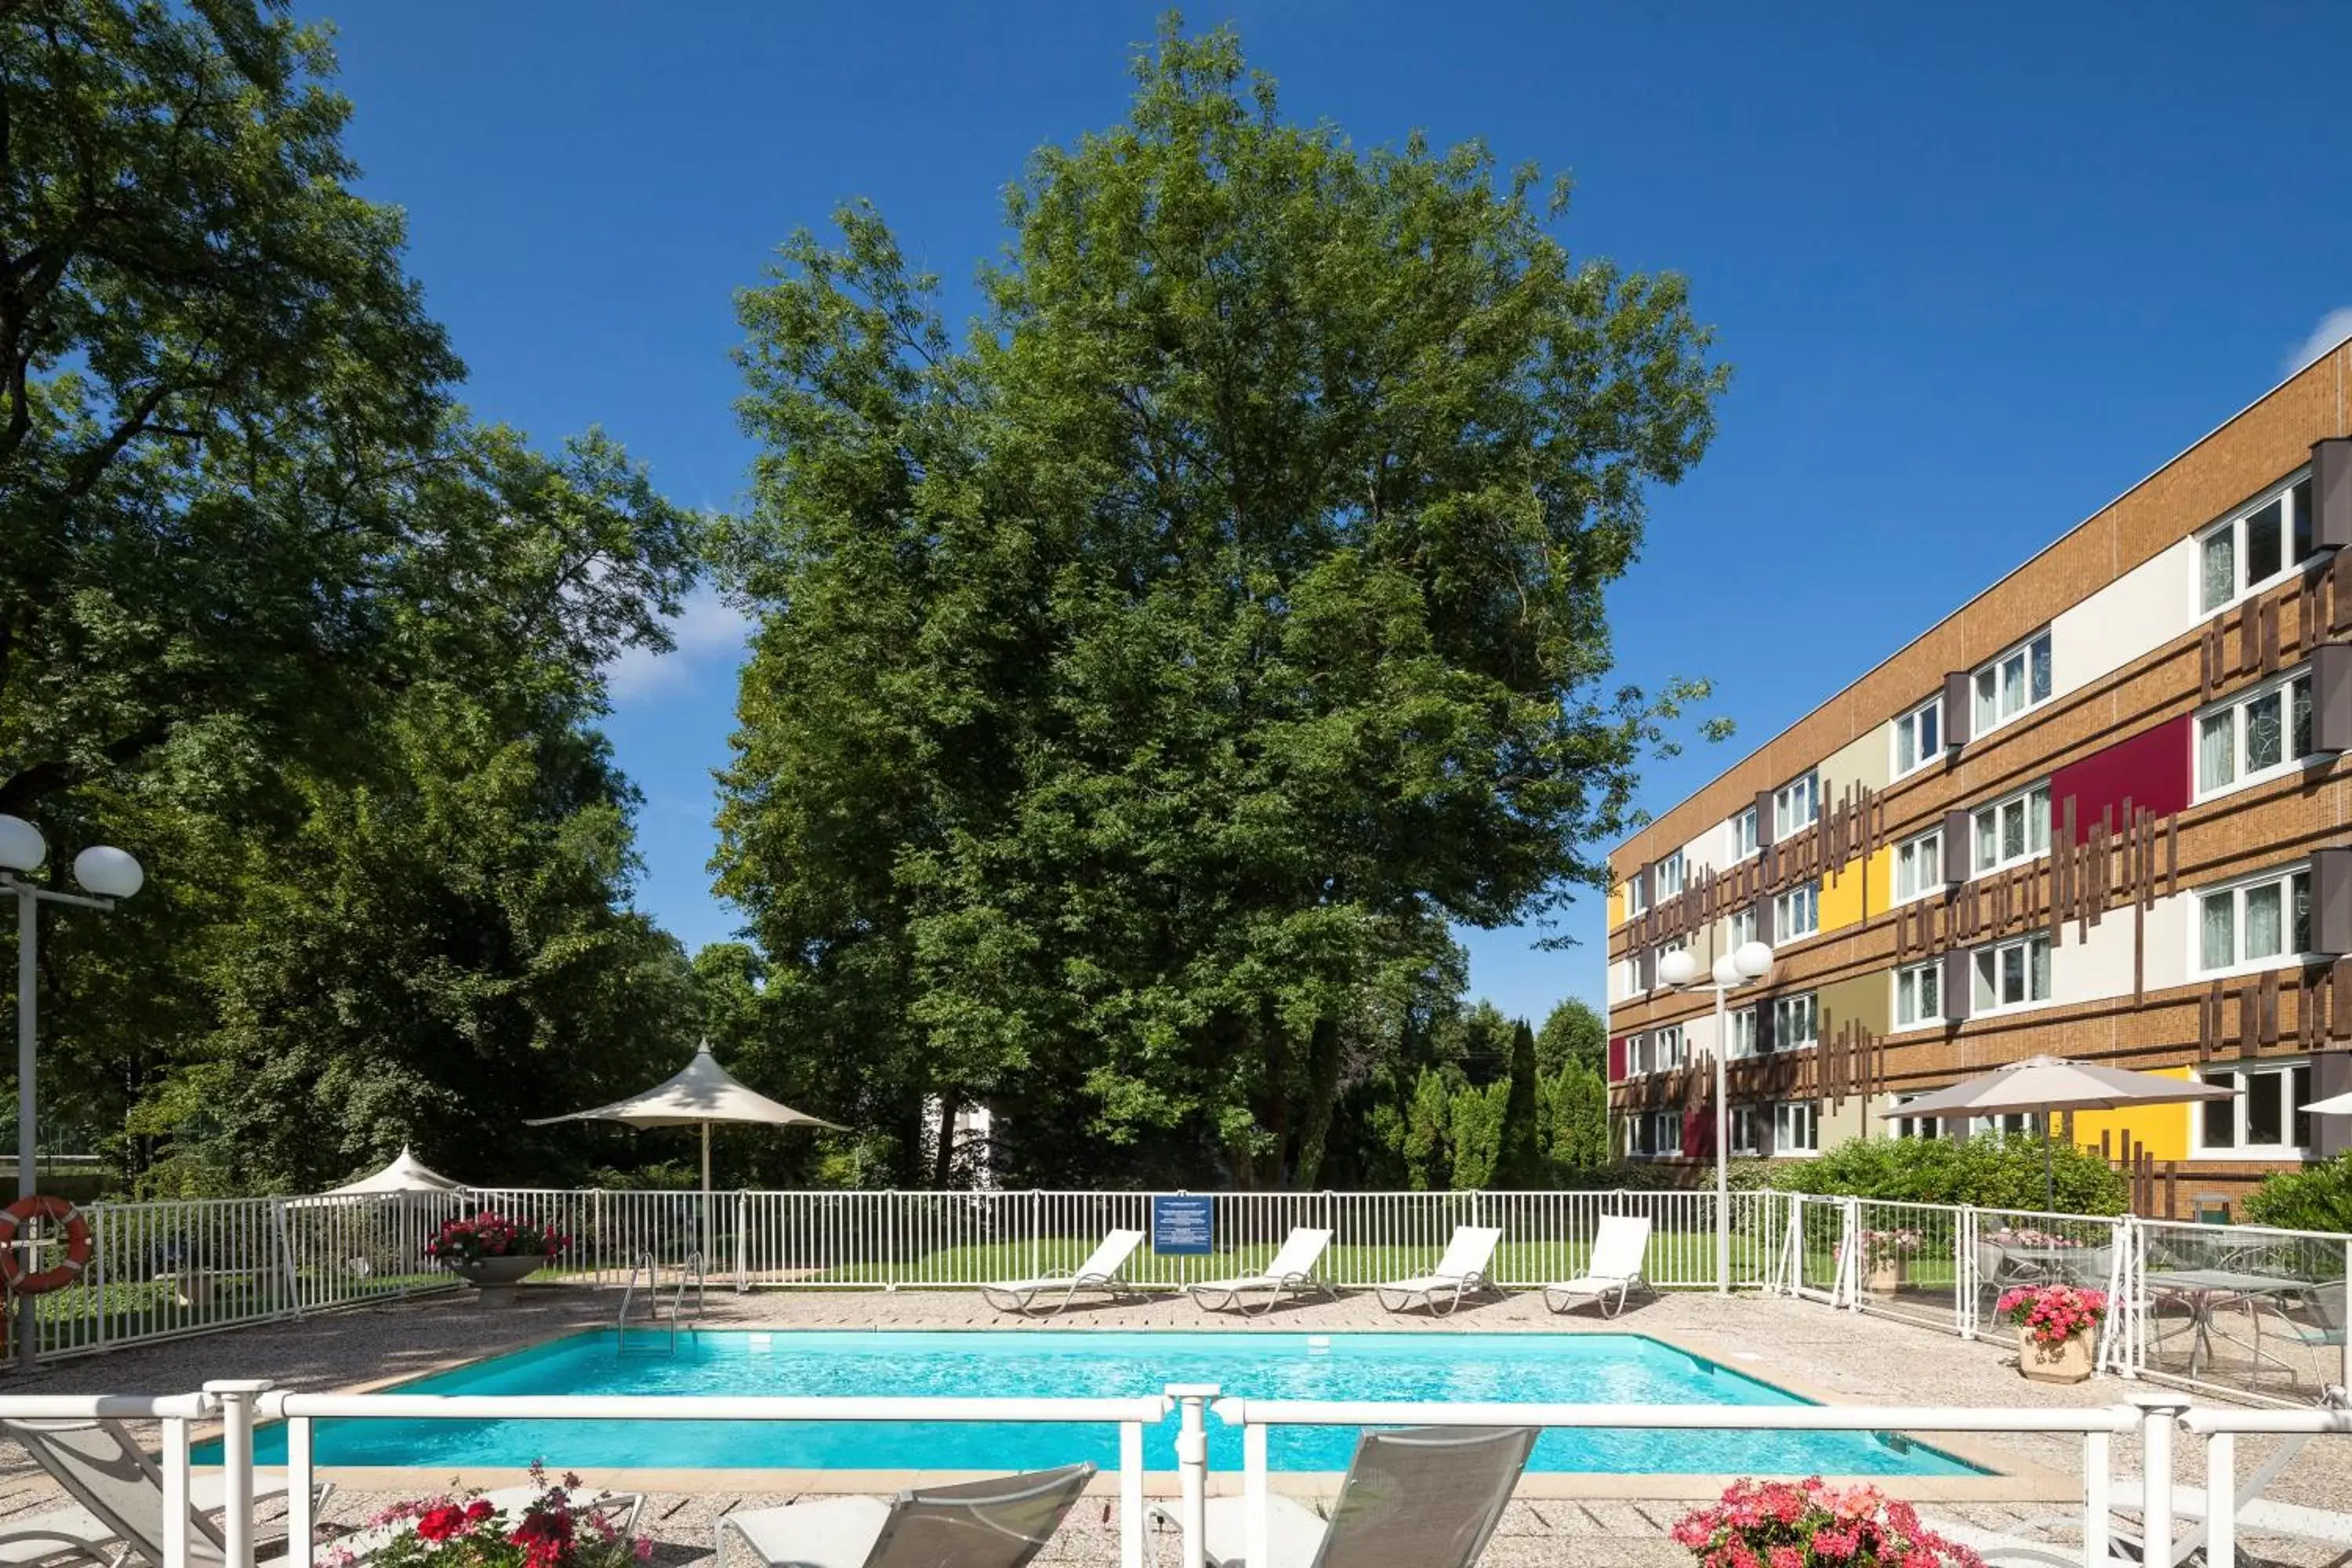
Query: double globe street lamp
(1744,965)
(107,874)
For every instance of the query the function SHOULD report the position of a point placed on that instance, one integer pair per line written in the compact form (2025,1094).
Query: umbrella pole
(2049,1187)
(706,1197)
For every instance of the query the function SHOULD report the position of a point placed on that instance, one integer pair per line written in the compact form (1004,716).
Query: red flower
(478,1509)
(441,1523)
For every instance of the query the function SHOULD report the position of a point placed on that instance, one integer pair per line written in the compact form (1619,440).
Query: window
(2266,1116)
(1918,737)
(2012,975)
(1629,977)
(1743,927)
(1918,996)
(1915,1126)
(1667,877)
(1650,1133)
(2254,737)
(1637,1055)
(2255,548)
(2257,922)
(1796,1129)
(2017,680)
(1920,865)
(1796,806)
(1637,894)
(2008,1124)
(2012,831)
(1667,1048)
(1745,1126)
(1796,1022)
(1743,1034)
(1797,913)
(1742,829)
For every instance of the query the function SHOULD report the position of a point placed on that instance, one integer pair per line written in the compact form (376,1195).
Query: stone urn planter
(494,1279)
(2068,1361)
(1886,1276)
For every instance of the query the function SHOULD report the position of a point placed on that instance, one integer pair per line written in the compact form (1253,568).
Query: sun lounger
(1424,1496)
(1291,1271)
(1614,1269)
(997,1524)
(1460,1272)
(119,1491)
(1099,1274)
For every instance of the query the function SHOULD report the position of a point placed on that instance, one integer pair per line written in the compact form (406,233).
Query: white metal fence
(2241,1309)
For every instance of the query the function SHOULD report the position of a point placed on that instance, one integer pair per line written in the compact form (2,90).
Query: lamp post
(109,874)
(1751,962)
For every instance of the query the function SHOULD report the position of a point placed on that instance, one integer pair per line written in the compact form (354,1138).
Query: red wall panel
(2154,769)
(1617,1060)
(1698,1133)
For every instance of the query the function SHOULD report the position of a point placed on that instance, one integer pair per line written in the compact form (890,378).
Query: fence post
(236,1396)
(285,1258)
(2221,1500)
(742,1228)
(97,1213)
(175,1491)
(2098,1496)
(301,1514)
(1130,1494)
(1191,1469)
(1964,1272)
(2160,1413)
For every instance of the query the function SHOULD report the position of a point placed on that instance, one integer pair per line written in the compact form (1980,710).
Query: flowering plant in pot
(2055,1326)
(1885,1254)
(557,1529)
(1799,1525)
(493,1253)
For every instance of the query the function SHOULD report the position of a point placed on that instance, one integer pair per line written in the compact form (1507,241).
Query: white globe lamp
(1727,973)
(1753,958)
(109,872)
(22,848)
(1678,968)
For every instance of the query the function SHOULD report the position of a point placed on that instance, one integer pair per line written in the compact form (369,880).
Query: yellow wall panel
(1616,905)
(1842,893)
(2161,1129)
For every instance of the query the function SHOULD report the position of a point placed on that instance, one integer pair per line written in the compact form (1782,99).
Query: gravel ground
(1835,1356)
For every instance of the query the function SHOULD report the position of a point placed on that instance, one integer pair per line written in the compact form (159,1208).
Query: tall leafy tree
(1146,681)
(1572,1032)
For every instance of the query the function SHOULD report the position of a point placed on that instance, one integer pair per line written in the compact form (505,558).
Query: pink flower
(1787,1557)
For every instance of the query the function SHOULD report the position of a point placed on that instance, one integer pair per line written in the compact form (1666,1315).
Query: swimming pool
(1596,1368)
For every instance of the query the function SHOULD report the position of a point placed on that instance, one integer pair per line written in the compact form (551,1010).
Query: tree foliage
(1990,1171)
(2317,1197)
(277,615)
(1573,1033)
(1148,679)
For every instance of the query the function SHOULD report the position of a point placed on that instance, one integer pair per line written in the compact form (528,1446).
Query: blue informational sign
(1182,1227)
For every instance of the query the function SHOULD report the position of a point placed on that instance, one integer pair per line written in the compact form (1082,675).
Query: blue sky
(1979,268)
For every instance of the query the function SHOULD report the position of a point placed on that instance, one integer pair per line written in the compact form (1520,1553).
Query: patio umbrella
(2334,1105)
(2040,1085)
(405,1175)
(701,1094)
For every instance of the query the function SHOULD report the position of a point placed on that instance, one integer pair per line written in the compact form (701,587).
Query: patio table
(2206,1291)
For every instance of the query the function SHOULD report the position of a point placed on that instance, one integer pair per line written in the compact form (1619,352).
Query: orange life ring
(11,1266)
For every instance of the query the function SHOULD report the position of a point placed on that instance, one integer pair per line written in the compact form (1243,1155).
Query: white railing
(2097,1428)
(2220,1428)
(302,1411)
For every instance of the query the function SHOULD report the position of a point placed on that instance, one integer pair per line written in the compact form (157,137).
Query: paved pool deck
(1830,1355)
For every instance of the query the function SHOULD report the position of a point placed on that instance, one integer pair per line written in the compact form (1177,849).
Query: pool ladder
(691,1273)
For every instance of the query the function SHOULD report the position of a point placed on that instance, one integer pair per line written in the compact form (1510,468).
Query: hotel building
(2102,811)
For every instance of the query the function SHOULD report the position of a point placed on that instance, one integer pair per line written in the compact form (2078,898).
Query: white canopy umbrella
(406,1173)
(701,1094)
(2334,1105)
(2040,1085)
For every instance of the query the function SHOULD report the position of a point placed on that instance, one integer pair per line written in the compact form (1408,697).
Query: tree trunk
(944,1157)
(1322,1092)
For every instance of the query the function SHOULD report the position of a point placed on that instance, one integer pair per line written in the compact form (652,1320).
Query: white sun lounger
(119,1492)
(1099,1274)
(1292,1271)
(1613,1270)
(1424,1496)
(997,1524)
(1460,1272)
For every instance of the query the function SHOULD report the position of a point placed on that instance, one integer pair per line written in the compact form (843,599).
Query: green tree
(1572,1033)
(1522,1163)
(1990,1171)
(2317,1197)
(1577,1121)
(1152,678)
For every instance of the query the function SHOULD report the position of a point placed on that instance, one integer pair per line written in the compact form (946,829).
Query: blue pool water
(1577,1368)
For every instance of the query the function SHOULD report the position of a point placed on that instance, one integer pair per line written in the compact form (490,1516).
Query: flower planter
(2068,1361)
(494,1279)
(1886,1277)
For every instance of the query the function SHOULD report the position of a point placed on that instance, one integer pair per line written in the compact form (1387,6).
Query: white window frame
(1741,1023)
(2235,710)
(1740,837)
(2293,496)
(1993,670)
(2035,801)
(1805,1112)
(2282,878)
(1740,927)
(1637,1054)
(1806,1006)
(1654,1135)
(1921,1127)
(1746,1129)
(1805,899)
(1629,977)
(1912,725)
(1997,952)
(1659,879)
(1802,793)
(1637,896)
(1924,853)
(1922,976)
(2294,1079)
(1667,1047)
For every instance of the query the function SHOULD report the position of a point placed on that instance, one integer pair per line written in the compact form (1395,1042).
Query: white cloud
(708,630)
(2333,329)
